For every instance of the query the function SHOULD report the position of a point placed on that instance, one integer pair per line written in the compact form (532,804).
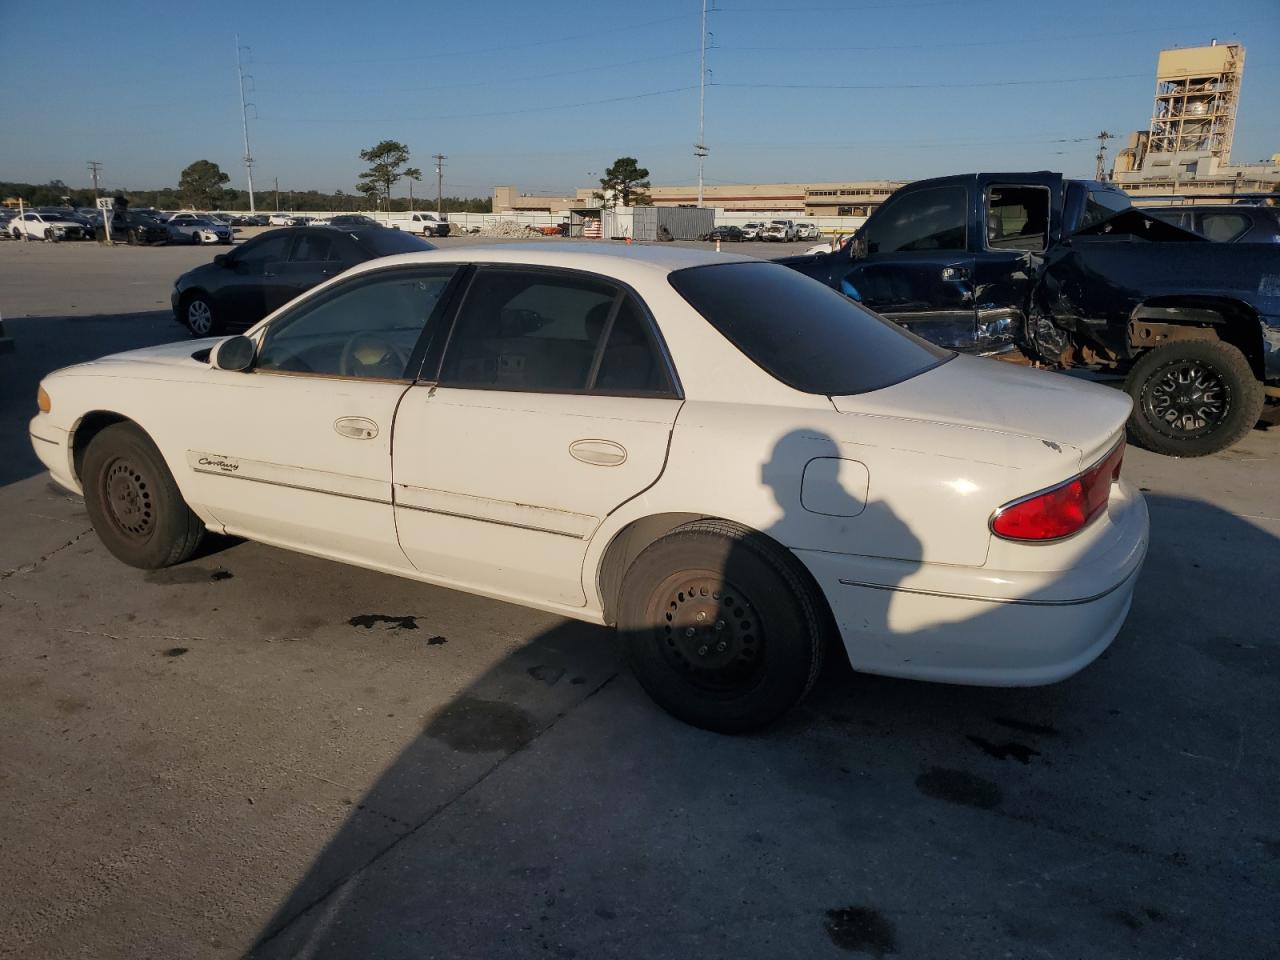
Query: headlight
(43,401)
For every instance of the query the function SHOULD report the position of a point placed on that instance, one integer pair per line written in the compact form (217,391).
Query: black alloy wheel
(1192,398)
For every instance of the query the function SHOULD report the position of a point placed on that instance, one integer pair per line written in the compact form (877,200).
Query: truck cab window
(1017,218)
(932,219)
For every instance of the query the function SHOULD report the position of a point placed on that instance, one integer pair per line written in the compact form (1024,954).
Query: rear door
(553,405)
(917,268)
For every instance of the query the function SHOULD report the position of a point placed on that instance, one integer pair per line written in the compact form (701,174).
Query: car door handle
(356,428)
(955,273)
(599,453)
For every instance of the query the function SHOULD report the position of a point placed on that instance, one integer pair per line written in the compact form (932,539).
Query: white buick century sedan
(728,461)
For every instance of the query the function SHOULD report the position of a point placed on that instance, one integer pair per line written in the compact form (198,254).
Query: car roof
(605,258)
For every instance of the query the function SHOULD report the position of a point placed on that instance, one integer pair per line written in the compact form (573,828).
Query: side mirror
(222,260)
(235,354)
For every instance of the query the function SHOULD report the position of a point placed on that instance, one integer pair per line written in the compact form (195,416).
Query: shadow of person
(618,832)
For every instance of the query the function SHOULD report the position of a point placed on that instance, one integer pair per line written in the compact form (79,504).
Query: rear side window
(801,331)
(1224,227)
(528,330)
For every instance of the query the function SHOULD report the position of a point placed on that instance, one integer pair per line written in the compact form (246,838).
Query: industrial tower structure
(1197,95)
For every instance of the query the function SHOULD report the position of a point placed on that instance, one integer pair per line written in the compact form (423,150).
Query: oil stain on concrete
(862,930)
(369,620)
(473,725)
(959,787)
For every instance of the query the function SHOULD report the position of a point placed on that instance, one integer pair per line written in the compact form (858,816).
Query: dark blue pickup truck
(1067,273)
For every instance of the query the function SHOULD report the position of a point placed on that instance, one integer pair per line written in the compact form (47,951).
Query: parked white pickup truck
(421,222)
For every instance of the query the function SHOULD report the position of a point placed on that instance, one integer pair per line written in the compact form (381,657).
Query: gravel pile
(508,228)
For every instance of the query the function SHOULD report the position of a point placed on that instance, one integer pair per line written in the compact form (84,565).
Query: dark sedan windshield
(385,243)
(801,331)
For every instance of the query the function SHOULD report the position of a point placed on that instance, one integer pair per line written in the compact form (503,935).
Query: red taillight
(1062,510)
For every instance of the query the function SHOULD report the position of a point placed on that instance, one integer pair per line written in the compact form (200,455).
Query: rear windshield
(801,331)
(384,243)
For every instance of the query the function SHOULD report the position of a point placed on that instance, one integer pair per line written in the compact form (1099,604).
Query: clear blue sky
(546,94)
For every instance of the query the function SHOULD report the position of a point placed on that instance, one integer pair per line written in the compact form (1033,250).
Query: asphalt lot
(262,752)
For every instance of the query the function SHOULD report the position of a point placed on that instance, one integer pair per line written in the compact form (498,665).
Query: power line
(439,55)
(928,86)
(957,44)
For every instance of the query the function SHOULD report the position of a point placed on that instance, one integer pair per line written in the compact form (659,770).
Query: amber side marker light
(43,401)
(1062,510)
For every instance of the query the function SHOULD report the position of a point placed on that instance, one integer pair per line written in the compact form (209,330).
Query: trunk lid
(1000,398)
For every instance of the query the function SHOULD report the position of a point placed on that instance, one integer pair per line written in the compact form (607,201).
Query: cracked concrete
(221,763)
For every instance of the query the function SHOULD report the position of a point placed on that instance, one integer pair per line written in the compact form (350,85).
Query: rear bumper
(972,625)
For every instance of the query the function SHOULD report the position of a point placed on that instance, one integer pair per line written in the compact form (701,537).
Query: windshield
(384,243)
(801,331)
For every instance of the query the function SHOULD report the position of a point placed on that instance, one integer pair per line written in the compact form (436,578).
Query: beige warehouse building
(1186,148)
(853,198)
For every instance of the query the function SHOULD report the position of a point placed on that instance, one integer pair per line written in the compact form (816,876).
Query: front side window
(310,248)
(365,328)
(931,219)
(1102,205)
(259,253)
(529,330)
(1017,218)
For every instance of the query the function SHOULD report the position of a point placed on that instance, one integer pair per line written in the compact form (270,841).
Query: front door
(553,405)
(251,271)
(1020,224)
(297,451)
(917,269)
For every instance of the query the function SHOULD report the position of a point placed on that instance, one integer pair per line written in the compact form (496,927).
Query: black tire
(133,501)
(721,627)
(16,233)
(130,238)
(48,236)
(194,317)
(1193,398)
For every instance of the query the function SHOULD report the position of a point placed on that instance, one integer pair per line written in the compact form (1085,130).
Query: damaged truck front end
(1036,269)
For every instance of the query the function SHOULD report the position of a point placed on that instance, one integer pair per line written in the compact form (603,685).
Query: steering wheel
(372,355)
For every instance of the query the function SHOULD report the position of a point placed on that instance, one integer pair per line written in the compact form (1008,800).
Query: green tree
(385,161)
(413,175)
(624,184)
(201,185)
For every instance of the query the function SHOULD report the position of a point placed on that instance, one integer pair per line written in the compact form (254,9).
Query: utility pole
(277,180)
(94,167)
(700,148)
(244,120)
(439,158)
(1103,137)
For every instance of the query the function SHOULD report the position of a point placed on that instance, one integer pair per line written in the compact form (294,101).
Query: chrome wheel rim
(1186,399)
(199,317)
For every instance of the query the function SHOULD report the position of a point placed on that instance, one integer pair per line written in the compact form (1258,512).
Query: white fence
(828,226)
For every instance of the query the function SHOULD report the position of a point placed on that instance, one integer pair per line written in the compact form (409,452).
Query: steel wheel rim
(127,494)
(1186,399)
(199,317)
(708,632)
